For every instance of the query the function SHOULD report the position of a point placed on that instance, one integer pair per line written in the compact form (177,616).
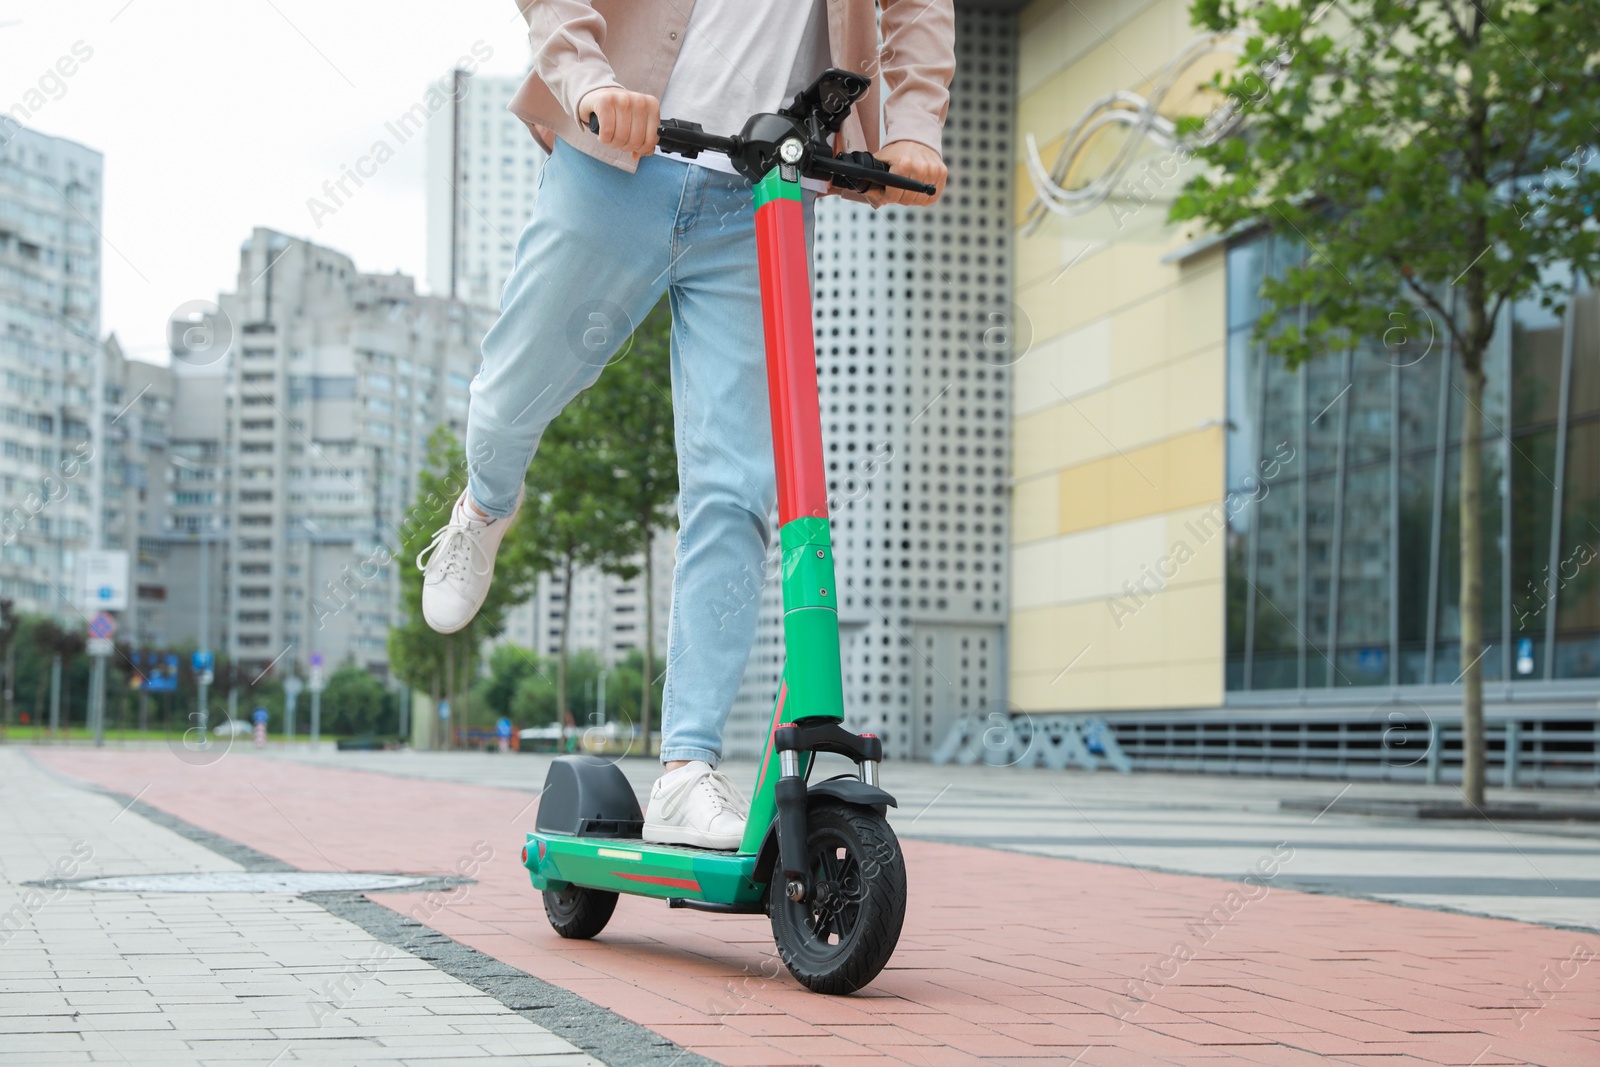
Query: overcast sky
(216,117)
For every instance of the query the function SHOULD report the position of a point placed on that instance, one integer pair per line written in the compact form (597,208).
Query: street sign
(101,646)
(316,659)
(315,682)
(103,580)
(201,660)
(292,686)
(204,678)
(102,626)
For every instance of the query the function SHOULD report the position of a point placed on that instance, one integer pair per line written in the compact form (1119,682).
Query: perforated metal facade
(914,341)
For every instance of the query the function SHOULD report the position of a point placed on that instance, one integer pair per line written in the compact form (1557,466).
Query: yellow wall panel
(1140,484)
(1138,417)
(1135,687)
(1193,527)
(1197,312)
(1197,388)
(1193,618)
(1052,691)
(1194,685)
(1079,297)
(1060,436)
(1035,509)
(1056,635)
(1139,338)
(1194,465)
(1064,366)
(1038,255)
(1139,451)
(1083,496)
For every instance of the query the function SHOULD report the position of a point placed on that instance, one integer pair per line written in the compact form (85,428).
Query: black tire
(579,913)
(840,938)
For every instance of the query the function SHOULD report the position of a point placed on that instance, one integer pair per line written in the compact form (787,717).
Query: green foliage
(353,703)
(37,638)
(528,695)
(1413,147)
(508,665)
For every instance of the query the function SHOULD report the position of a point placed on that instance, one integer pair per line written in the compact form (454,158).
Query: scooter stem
(812,683)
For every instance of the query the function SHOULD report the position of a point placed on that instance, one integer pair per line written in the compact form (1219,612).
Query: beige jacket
(579,45)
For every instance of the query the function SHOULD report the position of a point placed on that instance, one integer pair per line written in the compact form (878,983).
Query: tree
(354,702)
(443,664)
(635,438)
(508,666)
(8,658)
(1437,159)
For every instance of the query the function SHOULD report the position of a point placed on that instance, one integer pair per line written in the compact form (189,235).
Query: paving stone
(1033,969)
(170,978)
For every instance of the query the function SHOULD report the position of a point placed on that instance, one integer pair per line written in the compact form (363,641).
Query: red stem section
(791,360)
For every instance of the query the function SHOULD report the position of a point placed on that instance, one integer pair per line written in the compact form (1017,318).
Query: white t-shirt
(744,57)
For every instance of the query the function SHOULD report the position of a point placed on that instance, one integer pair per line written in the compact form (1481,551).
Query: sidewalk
(1544,872)
(1006,957)
(188,978)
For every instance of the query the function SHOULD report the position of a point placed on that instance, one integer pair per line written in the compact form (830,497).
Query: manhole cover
(291,882)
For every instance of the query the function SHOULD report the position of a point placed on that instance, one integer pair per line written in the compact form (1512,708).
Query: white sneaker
(695,805)
(458,566)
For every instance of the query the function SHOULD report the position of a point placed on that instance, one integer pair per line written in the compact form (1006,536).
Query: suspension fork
(813,686)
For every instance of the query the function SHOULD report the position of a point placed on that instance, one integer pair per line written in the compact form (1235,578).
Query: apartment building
(51,193)
(297,449)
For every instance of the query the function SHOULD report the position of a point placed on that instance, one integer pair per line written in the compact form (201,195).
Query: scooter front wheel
(840,937)
(579,913)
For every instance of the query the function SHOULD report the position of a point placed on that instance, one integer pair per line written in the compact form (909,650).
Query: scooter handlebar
(854,170)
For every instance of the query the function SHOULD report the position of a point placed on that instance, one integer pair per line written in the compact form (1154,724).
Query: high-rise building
(482,170)
(915,334)
(50,208)
(136,414)
(297,447)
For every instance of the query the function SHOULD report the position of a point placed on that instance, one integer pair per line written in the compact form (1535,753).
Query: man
(614,225)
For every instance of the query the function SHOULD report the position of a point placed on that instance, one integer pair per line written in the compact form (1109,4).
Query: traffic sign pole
(98,699)
(101,629)
(291,695)
(315,685)
(201,661)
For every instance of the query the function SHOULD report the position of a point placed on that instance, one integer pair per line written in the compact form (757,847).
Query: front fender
(853,791)
(847,790)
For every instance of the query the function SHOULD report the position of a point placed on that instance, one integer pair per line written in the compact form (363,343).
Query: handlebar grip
(855,168)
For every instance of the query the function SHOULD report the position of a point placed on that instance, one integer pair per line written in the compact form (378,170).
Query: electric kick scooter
(817,857)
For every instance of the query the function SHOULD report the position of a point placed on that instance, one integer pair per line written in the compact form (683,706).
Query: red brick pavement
(1005,958)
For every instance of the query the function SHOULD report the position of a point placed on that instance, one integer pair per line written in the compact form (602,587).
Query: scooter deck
(632,865)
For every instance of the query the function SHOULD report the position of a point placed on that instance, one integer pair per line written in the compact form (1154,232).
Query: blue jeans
(600,249)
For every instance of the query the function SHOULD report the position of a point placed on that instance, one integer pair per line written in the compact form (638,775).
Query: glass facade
(1343,559)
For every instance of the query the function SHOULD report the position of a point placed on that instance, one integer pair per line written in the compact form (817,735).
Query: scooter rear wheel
(579,913)
(842,935)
